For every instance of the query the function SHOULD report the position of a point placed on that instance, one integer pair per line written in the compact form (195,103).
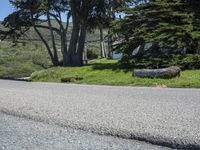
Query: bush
(183,61)
(20,61)
(17,71)
(92,54)
(41,60)
(191,62)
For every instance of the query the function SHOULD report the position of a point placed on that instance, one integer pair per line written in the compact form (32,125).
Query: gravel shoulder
(168,117)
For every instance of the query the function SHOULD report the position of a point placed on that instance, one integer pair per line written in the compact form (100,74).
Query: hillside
(31,35)
(24,58)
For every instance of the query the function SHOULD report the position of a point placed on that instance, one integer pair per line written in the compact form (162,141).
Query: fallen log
(169,72)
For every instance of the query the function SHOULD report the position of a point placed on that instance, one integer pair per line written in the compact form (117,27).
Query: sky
(5,9)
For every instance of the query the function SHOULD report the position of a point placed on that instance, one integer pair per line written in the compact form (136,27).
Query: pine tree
(167,24)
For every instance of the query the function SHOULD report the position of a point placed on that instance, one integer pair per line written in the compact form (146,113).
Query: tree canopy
(166,24)
(172,25)
(78,12)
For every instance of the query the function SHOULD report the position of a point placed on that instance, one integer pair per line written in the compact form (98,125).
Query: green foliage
(106,72)
(92,52)
(40,58)
(190,61)
(17,71)
(170,24)
(16,62)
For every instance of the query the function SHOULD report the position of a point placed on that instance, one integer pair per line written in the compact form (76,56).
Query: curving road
(21,134)
(167,117)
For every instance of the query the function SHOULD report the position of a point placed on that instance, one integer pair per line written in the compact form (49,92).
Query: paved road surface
(19,134)
(169,117)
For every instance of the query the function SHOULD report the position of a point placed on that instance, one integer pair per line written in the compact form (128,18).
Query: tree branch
(42,38)
(45,27)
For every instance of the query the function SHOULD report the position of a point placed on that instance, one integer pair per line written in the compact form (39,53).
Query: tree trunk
(79,13)
(75,55)
(70,57)
(102,44)
(110,44)
(64,44)
(81,43)
(56,61)
(43,40)
(85,58)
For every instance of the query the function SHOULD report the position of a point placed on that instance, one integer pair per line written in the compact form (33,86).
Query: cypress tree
(167,24)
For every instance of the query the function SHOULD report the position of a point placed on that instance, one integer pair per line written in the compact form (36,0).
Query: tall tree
(79,11)
(105,14)
(167,24)
(28,15)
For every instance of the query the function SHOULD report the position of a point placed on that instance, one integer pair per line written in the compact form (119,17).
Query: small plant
(92,54)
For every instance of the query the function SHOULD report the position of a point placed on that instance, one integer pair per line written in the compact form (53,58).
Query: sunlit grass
(106,72)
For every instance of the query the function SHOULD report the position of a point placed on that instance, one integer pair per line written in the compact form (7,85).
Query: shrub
(41,60)
(191,62)
(92,54)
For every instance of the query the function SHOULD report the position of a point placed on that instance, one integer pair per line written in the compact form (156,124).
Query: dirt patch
(70,79)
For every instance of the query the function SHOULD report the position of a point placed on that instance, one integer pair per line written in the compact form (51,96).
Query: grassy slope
(17,61)
(105,72)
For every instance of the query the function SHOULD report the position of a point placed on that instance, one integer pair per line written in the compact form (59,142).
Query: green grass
(20,61)
(106,72)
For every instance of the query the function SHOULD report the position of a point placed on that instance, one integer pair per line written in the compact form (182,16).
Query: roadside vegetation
(20,61)
(37,42)
(107,72)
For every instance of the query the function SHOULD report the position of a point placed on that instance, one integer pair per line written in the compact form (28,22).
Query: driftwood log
(169,72)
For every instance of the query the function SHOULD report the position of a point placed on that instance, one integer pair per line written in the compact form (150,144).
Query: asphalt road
(21,134)
(169,117)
